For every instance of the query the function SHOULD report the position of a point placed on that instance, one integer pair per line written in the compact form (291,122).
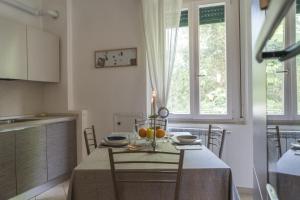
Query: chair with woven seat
(117,171)
(215,139)
(161,123)
(90,139)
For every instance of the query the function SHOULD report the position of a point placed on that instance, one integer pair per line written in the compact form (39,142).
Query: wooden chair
(116,171)
(215,139)
(90,139)
(271,192)
(162,123)
(276,139)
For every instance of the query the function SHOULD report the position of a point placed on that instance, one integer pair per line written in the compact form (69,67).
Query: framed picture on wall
(116,58)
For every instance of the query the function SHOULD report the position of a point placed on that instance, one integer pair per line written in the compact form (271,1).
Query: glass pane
(179,97)
(298,6)
(298,59)
(212,64)
(275,77)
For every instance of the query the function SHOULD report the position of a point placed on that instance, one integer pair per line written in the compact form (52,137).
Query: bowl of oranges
(148,133)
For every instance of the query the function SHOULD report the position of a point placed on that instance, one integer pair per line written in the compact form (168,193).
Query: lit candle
(151,105)
(154,101)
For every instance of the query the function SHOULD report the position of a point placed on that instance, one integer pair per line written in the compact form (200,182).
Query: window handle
(200,75)
(282,71)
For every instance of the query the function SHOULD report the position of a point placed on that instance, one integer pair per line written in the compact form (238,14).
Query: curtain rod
(25,8)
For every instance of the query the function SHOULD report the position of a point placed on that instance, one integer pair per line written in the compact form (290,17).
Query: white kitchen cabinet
(13,56)
(43,56)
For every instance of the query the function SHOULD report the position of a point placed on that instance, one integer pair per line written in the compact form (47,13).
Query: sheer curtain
(161,22)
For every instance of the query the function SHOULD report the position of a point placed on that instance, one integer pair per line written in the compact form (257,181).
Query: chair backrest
(90,139)
(277,139)
(162,123)
(215,139)
(271,192)
(117,172)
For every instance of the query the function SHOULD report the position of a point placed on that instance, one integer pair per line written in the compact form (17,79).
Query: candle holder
(153,118)
(153,124)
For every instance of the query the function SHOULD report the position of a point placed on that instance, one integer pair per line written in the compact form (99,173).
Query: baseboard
(42,188)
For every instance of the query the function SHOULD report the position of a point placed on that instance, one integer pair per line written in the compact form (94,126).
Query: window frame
(233,62)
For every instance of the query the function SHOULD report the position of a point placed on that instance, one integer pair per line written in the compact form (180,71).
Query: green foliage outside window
(212,68)
(275,77)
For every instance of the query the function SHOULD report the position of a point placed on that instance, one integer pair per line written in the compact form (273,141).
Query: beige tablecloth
(204,177)
(288,176)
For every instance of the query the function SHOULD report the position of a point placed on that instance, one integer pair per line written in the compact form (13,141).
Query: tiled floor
(245,195)
(60,191)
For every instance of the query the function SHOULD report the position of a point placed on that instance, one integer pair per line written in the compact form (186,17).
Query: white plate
(295,146)
(186,138)
(174,134)
(108,144)
(116,140)
(297,153)
(196,142)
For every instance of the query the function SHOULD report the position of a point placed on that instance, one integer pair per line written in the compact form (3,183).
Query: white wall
(101,25)
(56,95)
(239,145)
(21,97)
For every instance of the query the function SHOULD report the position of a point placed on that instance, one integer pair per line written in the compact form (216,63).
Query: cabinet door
(61,148)
(31,160)
(13,58)
(7,166)
(43,56)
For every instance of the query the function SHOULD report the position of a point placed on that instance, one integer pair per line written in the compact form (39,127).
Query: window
(206,77)
(283,78)
(276,75)
(212,60)
(179,99)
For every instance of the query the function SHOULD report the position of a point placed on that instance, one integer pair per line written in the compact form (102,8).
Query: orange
(149,133)
(142,132)
(160,133)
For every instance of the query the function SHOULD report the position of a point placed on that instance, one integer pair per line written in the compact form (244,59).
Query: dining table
(288,175)
(204,176)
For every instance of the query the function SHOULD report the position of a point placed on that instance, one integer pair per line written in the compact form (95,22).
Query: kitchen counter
(36,153)
(37,121)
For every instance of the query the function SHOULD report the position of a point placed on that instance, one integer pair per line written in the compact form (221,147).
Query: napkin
(188,147)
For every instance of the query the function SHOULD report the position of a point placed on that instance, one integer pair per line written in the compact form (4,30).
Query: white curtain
(161,22)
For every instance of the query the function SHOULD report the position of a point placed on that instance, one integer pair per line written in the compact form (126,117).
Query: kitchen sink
(11,121)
